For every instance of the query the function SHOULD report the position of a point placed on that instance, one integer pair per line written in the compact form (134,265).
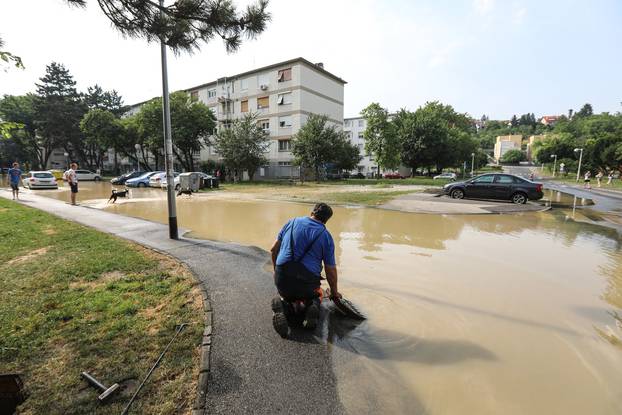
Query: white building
(354,128)
(282,96)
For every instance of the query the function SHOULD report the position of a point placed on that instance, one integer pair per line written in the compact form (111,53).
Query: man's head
(15,165)
(74,165)
(322,212)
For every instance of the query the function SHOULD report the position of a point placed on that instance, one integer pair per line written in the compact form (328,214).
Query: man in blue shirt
(297,255)
(15,175)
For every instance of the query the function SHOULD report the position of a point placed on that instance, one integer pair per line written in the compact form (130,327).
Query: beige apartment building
(282,95)
(506,143)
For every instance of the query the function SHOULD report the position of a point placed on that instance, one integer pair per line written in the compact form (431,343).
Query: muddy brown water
(470,314)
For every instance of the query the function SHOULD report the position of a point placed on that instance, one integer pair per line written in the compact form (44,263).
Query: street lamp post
(554,163)
(137,148)
(472,163)
(168,145)
(580,150)
(66,159)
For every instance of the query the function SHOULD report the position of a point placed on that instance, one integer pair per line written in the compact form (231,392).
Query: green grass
(371,198)
(74,299)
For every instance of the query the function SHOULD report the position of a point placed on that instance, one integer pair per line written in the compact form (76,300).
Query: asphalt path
(253,370)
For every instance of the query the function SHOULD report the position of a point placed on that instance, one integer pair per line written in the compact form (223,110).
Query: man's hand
(331,277)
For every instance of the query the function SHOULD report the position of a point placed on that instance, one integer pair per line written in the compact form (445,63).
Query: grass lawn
(369,198)
(74,299)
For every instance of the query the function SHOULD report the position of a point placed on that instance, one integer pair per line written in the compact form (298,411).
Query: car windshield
(43,175)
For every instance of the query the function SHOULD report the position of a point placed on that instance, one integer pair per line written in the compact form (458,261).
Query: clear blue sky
(482,56)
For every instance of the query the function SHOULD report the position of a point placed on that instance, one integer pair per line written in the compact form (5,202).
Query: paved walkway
(253,370)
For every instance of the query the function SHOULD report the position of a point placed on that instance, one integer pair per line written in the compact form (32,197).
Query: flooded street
(468,314)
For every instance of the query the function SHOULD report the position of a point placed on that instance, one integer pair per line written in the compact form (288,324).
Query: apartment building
(505,143)
(282,95)
(354,128)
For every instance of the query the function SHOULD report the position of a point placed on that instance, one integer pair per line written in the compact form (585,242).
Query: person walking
(586,180)
(609,178)
(599,177)
(72,179)
(15,175)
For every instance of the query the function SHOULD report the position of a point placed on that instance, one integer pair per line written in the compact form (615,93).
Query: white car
(85,175)
(156,179)
(446,176)
(40,180)
(204,176)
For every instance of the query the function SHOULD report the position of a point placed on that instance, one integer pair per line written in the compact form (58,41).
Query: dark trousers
(295,282)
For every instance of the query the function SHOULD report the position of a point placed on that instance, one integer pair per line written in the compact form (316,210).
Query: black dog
(118,193)
(184,192)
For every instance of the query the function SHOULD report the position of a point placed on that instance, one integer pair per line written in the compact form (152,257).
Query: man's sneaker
(312,316)
(279,321)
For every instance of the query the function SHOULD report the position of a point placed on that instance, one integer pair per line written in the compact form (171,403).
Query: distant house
(549,119)
(532,140)
(506,143)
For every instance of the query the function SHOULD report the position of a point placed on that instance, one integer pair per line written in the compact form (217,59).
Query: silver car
(40,180)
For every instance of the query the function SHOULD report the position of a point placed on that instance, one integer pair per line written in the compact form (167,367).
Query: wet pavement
(482,314)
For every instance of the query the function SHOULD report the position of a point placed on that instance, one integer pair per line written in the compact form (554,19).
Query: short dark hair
(322,212)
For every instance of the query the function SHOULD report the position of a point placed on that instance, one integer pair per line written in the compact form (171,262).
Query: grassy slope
(75,299)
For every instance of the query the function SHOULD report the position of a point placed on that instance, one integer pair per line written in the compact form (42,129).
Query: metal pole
(472,163)
(579,168)
(168,146)
(554,165)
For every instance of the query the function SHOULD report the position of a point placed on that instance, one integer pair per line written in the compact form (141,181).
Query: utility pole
(168,146)
(580,150)
(472,163)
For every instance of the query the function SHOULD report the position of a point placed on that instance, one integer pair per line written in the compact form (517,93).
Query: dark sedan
(125,177)
(495,186)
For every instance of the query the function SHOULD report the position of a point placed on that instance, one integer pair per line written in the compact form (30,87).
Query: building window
(347,123)
(264,125)
(361,123)
(285,122)
(211,93)
(285,75)
(361,136)
(194,96)
(263,102)
(243,84)
(263,81)
(285,163)
(285,145)
(244,106)
(285,99)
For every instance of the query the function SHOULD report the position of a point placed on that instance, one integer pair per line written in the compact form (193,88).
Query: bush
(513,157)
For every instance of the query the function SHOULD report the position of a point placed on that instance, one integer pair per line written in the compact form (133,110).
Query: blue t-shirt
(305,230)
(14,175)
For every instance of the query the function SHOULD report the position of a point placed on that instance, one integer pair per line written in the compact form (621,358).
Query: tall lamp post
(472,163)
(66,159)
(137,148)
(554,163)
(580,151)
(168,145)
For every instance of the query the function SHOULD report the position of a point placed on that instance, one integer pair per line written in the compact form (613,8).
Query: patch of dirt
(30,255)
(103,279)
(50,231)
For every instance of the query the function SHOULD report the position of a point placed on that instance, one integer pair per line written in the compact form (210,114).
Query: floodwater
(468,314)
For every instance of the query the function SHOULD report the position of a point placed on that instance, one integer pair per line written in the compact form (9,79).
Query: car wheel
(457,194)
(97,178)
(142,185)
(177,187)
(519,198)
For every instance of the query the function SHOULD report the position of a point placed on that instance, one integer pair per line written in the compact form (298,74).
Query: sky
(491,57)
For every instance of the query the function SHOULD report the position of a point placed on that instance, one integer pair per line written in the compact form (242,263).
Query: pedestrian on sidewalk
(599,177)
(72,179)
(586,180)
(609,178)
(15,175)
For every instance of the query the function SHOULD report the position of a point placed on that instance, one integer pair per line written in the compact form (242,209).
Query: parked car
(393,176)
(141,181)
(358,175)
(446,176)
(156,179)
(40,180)
(124,177)
(163,182)
(86,175)
(495,186)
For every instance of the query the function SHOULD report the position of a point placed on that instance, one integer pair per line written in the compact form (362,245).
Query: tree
(191,124)
(9,58)
(346,155)
(97,98)
(317,144)
(58,110)
(243,146)
(380,137)
(513,156)
(185,23)
(101,131)
(585,111)
(19,114)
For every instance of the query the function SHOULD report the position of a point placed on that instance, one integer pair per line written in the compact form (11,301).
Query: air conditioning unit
(263,87)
